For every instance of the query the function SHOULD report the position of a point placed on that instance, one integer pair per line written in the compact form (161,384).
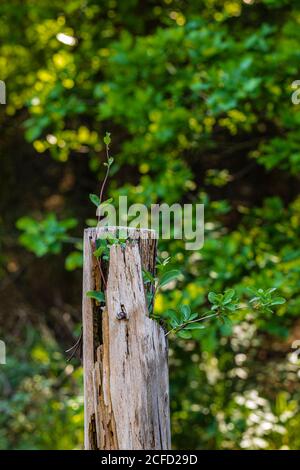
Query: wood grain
(126,372)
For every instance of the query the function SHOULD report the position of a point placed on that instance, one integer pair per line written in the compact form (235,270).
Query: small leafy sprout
(96,295)
(102,250)
(109,162)
(162,263)
(103,246)
(111,240)
(263,300)
(107,202)
(97,200)
(164,277)
(107,139)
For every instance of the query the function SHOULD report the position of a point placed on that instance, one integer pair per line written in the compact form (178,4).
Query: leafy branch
(182,321)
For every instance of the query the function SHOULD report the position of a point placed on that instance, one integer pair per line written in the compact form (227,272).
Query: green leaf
(228,296)
(272,289)
(184,334)
(168,277)
(212,297)
(99,251)
(171,314)
(278,301)
(105,203)
(186,311)
(94,199)
(193,316)
(174,323)
(96,294)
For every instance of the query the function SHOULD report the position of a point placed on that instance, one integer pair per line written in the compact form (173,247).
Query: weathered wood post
(126,386)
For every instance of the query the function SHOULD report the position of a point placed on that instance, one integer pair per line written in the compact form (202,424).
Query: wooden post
(126,389)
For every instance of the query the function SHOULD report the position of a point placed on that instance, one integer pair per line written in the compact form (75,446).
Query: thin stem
(192,321)
(105,178)
(103,184)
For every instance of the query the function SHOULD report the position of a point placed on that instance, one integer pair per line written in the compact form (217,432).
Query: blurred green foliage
(44,236)
(44,411)
(197,97)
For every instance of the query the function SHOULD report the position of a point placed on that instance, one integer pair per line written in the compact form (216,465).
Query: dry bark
(124,352)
